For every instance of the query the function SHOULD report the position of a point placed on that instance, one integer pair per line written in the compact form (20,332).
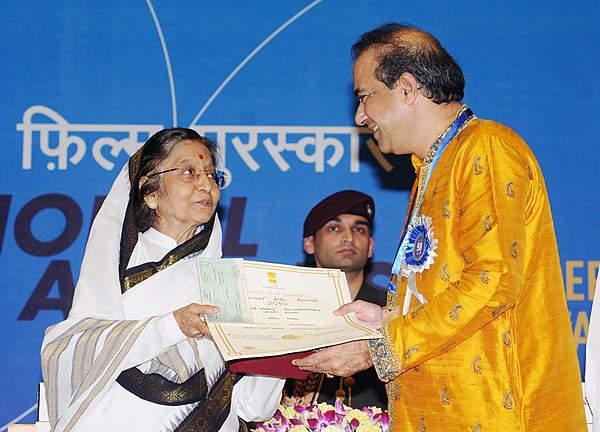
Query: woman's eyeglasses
(192,175)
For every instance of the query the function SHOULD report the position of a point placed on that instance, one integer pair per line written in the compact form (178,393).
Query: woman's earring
(151,203)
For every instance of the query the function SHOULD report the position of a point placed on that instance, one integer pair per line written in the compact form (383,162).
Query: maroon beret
(348,201)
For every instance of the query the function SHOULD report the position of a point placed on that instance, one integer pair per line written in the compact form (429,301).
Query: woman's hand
(191,321)
(341,360)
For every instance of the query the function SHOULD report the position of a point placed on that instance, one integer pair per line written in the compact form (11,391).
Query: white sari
(108,332)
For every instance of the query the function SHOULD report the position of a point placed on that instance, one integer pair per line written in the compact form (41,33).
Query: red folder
(279,366)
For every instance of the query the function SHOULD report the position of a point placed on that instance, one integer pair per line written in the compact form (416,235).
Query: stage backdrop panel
(85,83)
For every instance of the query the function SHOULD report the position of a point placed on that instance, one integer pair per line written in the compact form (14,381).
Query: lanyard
(453,129)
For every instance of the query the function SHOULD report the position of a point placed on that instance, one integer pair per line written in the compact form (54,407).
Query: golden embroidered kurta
(492,348)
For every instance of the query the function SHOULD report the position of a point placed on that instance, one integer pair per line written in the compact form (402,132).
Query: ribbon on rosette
(418,253)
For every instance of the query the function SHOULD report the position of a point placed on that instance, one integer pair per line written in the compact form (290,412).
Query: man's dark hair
(404,48)
(157,149)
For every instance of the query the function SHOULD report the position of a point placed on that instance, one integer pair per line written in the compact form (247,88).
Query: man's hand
(341,360)
(369,313)
(191,321)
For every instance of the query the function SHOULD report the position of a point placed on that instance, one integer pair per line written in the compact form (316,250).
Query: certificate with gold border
(291,309)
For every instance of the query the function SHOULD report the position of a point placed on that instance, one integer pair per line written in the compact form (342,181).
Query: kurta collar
(417,163)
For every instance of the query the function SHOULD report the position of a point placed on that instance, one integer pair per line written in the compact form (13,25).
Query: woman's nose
(203,182)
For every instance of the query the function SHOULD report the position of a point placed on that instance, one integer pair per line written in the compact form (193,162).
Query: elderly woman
(135,353)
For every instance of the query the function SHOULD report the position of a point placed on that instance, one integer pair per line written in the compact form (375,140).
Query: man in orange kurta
(476,333)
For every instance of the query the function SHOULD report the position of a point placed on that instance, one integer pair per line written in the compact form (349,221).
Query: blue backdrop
(83,84)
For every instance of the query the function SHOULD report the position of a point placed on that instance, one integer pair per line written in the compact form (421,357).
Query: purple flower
(323,419)
(317,418)
(383,420)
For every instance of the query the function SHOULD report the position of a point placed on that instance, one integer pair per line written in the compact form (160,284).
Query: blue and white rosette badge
(418,253)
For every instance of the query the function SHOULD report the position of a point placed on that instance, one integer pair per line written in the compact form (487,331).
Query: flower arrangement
(325,417)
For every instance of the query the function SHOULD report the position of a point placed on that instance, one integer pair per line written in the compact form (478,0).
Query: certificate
(291,308)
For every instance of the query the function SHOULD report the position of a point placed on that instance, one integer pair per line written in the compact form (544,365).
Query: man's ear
(409,87)
(371,244)
(309,246)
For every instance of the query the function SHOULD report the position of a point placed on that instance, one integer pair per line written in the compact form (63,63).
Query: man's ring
(328,375)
